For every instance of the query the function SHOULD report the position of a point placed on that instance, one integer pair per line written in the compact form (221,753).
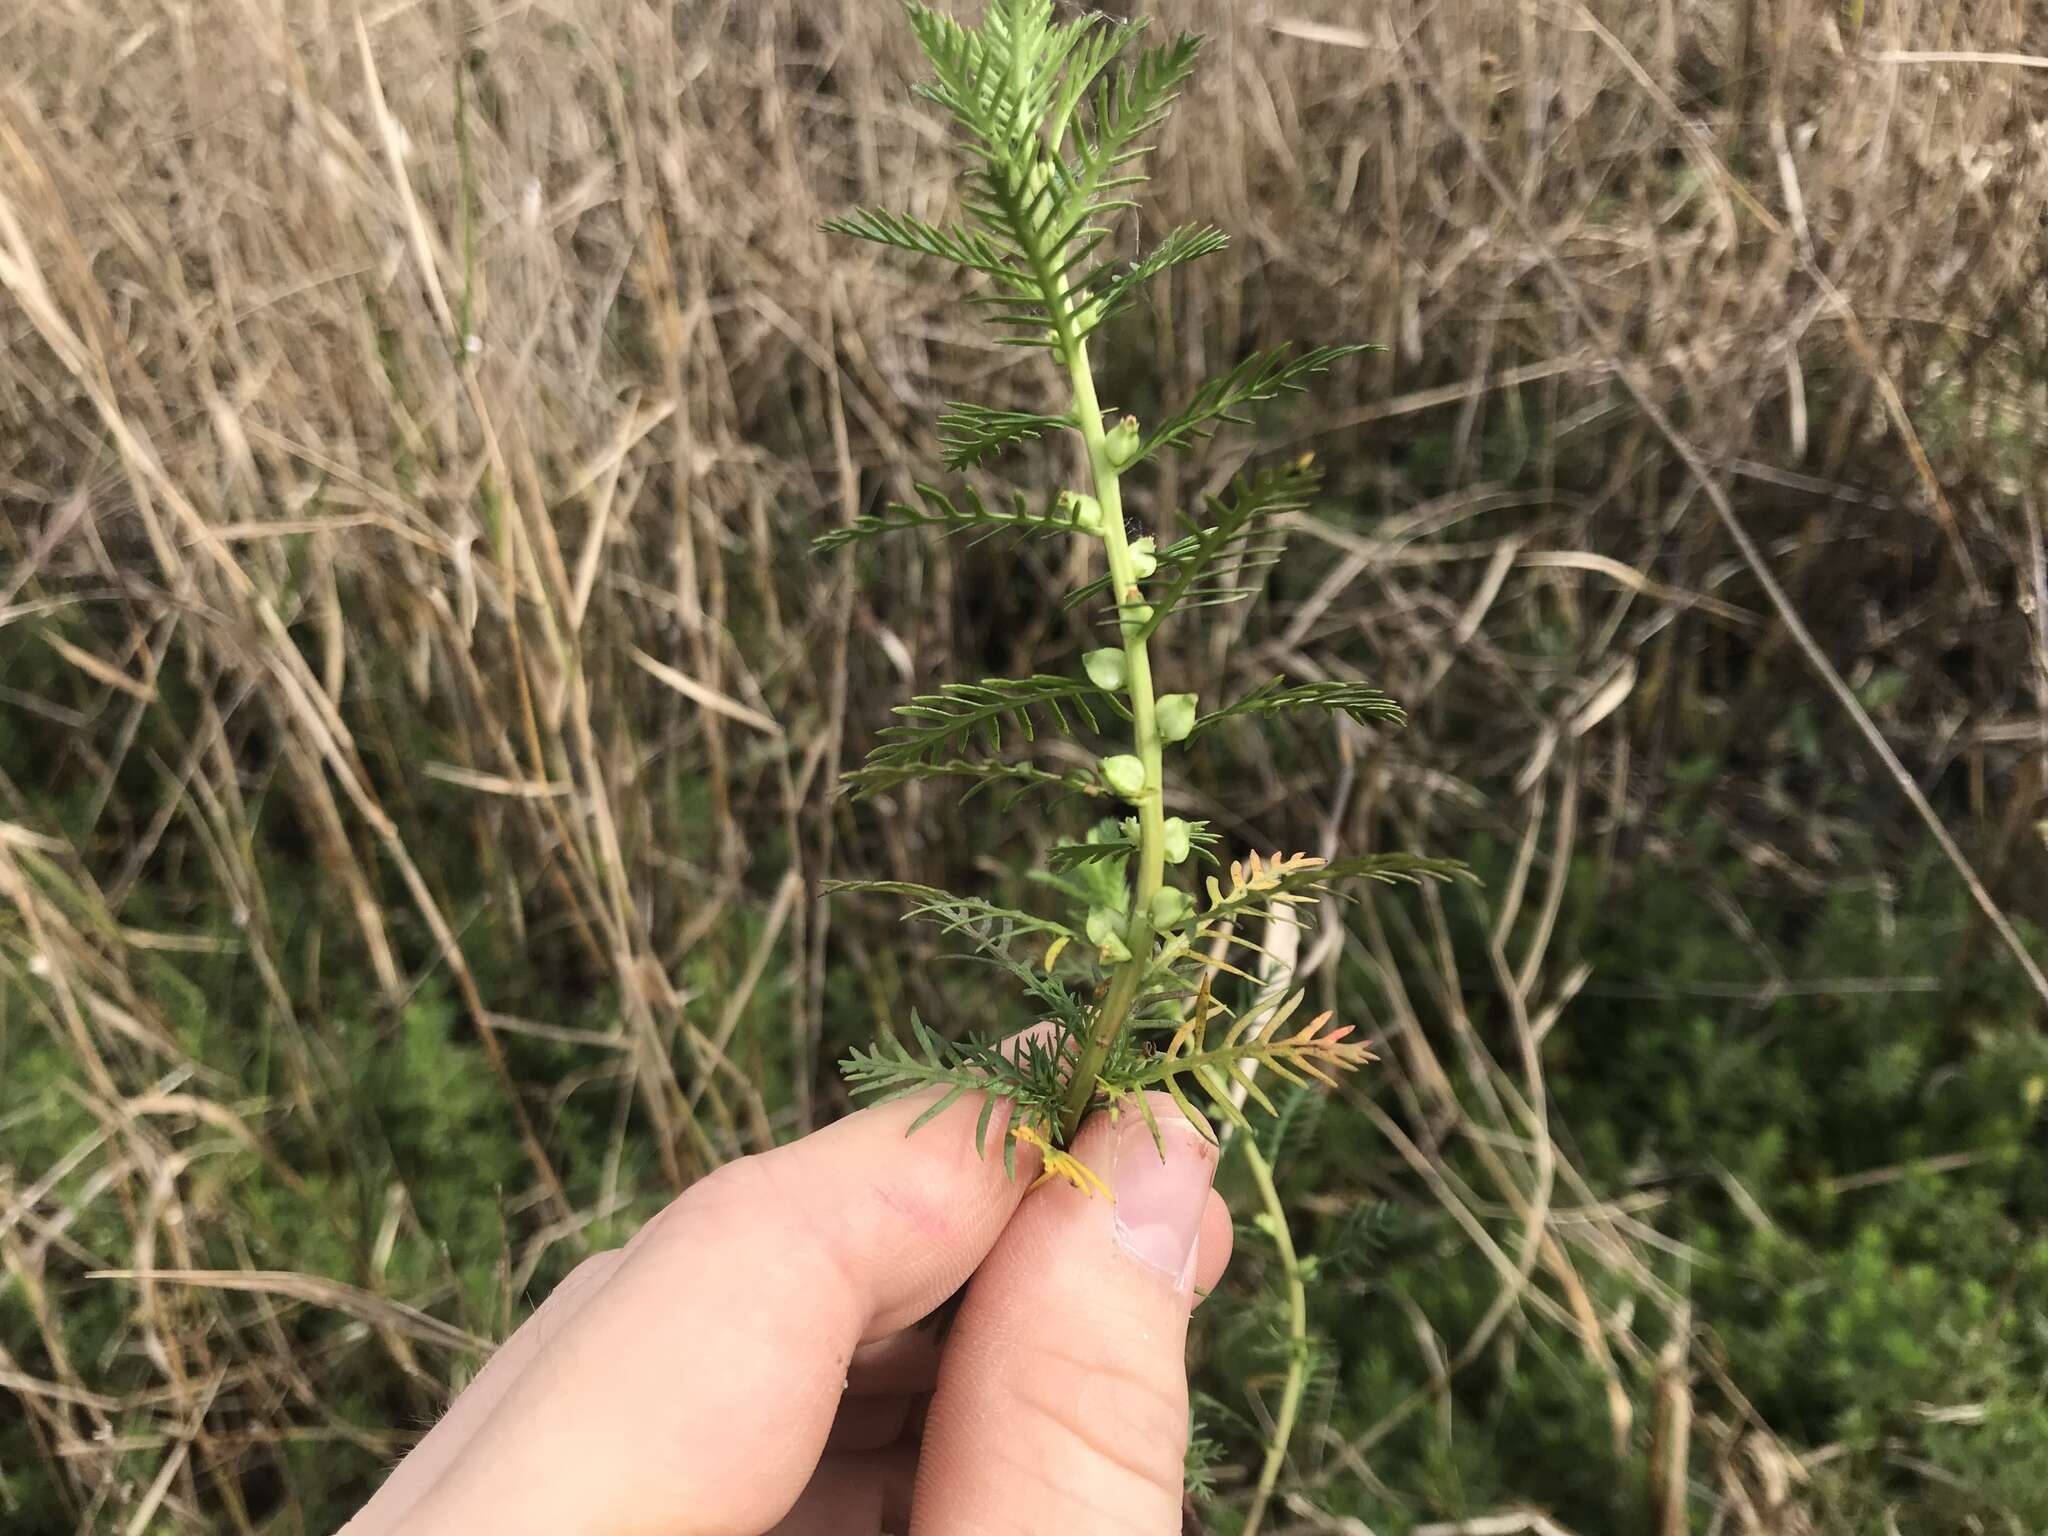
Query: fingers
(855,1494)
(426,1462)
(1062,1397)
(903,1362)
(869,1423)
(908,1361)
(889,1382)
(694,1391)
(1212,1251)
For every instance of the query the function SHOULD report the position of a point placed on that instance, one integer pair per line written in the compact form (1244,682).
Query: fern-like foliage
(1260,377)
(1258,1039)
(1011,941)
(1065,856)
(1129,106)
(1111,287)
(1028,1076)
(1119,840)
(1360,702)
(1056,117)
(934,725)
(969,248)
(972,433)
(1279,881)
(953,914)
(942,513)
(1218,558)
(984,775)
(1294,1121)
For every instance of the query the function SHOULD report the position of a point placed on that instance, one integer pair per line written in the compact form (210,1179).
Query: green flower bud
(1143,561)
(1086,511)
(1135,615)
(1124,774)
(1121,445)
(1170,907)
(1105,668)
(1105,932)
(1178,840)
(1176,715)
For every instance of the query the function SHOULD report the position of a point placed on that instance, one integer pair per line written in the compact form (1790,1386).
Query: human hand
(747,1363)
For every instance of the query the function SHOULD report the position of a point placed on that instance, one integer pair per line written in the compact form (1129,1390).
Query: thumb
(1062,1402)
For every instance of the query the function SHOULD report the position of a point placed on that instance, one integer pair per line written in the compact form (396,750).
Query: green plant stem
(1297,1334)
(1123,987)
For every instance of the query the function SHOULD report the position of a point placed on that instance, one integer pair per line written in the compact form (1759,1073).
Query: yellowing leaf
(1061,1164)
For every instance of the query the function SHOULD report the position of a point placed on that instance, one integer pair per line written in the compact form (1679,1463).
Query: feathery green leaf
(993,934)
(992,77)
(1210,564)
(1028,1074)
(1129,103)
(942,512)
(984,774)
(1112,288)
(1272,884)
(1360,702)
(963,247)
(1262,376)
(971,433)
(1057,117)
(959,713)
(1120,841)
(942,907)
(1097,44)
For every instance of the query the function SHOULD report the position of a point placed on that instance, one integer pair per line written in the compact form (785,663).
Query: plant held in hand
(1056,118)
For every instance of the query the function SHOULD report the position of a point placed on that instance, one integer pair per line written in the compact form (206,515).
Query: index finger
(693,1392)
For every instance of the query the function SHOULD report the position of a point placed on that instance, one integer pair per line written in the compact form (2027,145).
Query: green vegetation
(1850,1169)
(1057,118)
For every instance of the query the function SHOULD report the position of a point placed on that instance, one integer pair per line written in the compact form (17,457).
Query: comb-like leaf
(1205,566)
(1129,103)
(1360,702)
(1112,289)
(946,909)
(995,935)
(1029,1072)
(940,511)
(1262,376)
(983,774)
(1277,882)
(963,247)
(1121,841)
(1314,1051)
(986,76)
(1065,856)
(1057,116)
(1098,43)
(970,434)
(939,723)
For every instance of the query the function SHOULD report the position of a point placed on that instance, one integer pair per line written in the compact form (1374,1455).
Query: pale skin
(747,1364)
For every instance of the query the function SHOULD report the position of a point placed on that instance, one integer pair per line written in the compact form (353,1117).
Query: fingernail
(1159,1198)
